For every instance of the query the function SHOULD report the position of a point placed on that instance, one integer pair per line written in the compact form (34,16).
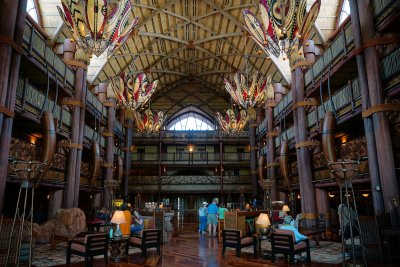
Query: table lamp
(285,208)
(263,221)
(118,218)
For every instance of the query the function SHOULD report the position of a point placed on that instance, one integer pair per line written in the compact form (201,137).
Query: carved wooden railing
(90,135)
(190,180)
(383,8)
(29,99)
(94,105)
(337,51)
(36,47)
(390,69)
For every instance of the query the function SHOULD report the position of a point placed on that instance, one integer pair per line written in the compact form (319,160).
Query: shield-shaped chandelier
(149,122)
(284,24)
(234,121)
(132,92)
(245,95)
(97,25)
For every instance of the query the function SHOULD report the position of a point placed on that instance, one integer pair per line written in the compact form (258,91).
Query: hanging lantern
(233,122)
(149,122)
(97,25)
(244,95)
(284,25)
(132,92)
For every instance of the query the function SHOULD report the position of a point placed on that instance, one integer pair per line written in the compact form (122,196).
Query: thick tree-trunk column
(373,165)
(322,202)
(56,199)
(72,173)
(109,153)
(221,159)
(253,157)
(127,159)
(159,166)
(303,153)
(12,28)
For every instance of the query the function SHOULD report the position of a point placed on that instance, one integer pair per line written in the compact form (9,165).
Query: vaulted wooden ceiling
(190,46)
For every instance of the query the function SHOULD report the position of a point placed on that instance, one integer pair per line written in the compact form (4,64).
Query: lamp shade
(285,208)
(263,220)
(118,217)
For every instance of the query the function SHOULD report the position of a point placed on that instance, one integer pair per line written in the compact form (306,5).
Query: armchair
(234,239)
(88,246)
(149,238)
(283,241)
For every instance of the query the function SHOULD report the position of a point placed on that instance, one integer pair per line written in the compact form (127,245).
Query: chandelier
(149,122)
(96,25)
(248,96)
(234,121)
(284,25)
(132,92)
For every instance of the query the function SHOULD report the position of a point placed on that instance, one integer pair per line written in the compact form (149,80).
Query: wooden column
(56,199)
(12,28)
(269,111)
(322,202)
(74,159)
(303,153)
(373,165)
(283,196)
(159,166)
(109,153)
(127,159)
(221,158)
(253,158)
(383,139)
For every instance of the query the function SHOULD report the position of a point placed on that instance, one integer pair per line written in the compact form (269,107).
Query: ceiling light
(98,25)
(279,32)
(234,121)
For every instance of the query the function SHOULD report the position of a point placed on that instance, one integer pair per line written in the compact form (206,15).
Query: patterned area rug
(43,256)
(326,252)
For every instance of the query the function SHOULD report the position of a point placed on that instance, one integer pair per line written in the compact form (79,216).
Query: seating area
(88,246)
(148,238)
(235,239)
(284,241)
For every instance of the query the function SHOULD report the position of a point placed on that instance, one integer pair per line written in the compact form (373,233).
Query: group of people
(134,222)
(209,215)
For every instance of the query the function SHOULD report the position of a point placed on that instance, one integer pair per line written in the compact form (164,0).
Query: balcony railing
(190,180)
(190,157)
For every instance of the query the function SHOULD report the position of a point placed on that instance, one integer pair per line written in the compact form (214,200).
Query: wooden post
(322,201)
(253,158)
(12,27)
(127,159)
(159,166)
(221,158)
(73,166)
(303,154)
(373,165)
(383,139)
(109,156)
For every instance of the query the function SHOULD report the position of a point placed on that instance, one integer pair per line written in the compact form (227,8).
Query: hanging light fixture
(234,121)
(284,25)
(244,95)
(149,122)
(97,25)
(132,92)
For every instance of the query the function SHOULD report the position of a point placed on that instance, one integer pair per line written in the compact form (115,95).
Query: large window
(32,11)
(191,121)
(345,12)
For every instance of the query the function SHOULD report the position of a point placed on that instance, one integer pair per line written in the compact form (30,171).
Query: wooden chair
(284,242)
(234,239)
(149,238)
(88,246)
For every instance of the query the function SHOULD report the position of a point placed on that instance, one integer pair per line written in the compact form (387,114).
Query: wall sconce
(48,196)
(365,195)
(91,196)
(331,195)
(298,196)
(33,139)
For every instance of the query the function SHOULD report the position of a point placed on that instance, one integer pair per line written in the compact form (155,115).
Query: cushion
(135,240)
(300,245)
(285,232)
(78,247)
(246,240)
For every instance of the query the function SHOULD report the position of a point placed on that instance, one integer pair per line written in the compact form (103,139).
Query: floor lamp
(345,171)
(28,172)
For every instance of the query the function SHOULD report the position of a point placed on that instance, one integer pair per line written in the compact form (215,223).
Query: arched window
(31,9)
(190,121)
(345,11)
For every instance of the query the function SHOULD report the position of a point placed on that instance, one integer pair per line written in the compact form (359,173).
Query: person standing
(203,218)
(212,218)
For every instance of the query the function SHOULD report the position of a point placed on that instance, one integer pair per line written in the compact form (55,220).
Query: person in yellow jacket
(126,227)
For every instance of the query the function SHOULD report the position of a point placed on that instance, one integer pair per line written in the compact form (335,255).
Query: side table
(260,253)
(117,248)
